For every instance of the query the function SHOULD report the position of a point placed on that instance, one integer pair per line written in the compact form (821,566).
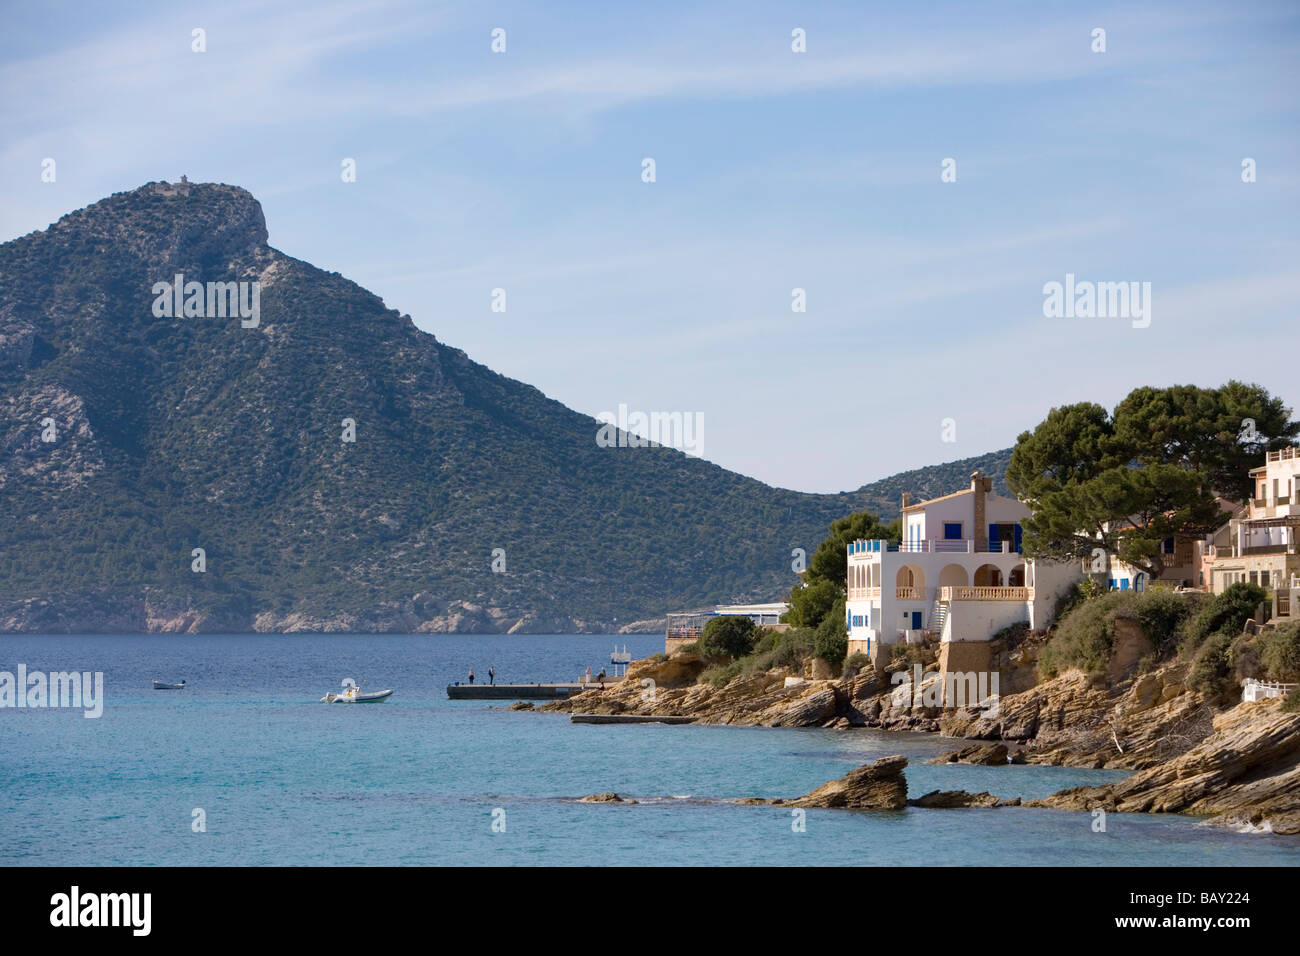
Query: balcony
(948,595)
(907,594)
(1283,454)
(864,594)
(1268,549)
(952,546)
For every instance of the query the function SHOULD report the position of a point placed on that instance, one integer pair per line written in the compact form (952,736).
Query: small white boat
(352,694)
(168,685)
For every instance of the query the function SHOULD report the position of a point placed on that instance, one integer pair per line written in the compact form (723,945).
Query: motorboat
(352,694)
(168,685)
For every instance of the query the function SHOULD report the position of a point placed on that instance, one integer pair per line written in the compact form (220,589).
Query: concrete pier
(520,691)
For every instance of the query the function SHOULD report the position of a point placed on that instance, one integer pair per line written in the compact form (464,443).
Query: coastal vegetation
(728,637)
(1206,633)
(772,649)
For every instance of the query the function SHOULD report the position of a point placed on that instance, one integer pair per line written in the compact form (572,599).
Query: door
(916,620)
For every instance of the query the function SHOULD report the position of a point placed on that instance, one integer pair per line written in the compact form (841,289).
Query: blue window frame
(952,531)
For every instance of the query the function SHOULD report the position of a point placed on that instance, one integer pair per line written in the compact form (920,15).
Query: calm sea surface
(420,779)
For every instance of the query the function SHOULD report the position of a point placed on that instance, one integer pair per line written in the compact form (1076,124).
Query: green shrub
(1291,703)
(809,605)
(1078,593)
(720,675)
(832,640)
(791,648)
(1211,668)
(1279,653)
(1085,636)
(1226,612)
(692,648)
(1161,613)
(728,637)
(856,661)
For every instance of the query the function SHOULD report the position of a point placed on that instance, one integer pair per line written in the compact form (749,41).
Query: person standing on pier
(492,675)
(471,675)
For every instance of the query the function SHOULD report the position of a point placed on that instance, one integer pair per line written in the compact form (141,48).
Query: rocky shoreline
(420,614)
(1239,766)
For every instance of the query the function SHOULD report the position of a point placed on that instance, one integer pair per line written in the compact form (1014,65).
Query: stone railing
(948,595)
(908,594)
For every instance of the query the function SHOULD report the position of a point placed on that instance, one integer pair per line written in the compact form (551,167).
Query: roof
(922,504)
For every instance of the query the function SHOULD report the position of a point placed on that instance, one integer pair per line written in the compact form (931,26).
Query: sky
(924,338)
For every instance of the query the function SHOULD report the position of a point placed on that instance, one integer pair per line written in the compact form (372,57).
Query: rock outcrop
(877,786)
(1246,773)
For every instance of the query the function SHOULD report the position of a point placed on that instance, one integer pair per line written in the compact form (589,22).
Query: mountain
(129,437)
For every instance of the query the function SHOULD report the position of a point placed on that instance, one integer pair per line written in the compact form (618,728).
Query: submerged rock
(953,799)
(606,797)
(984,755)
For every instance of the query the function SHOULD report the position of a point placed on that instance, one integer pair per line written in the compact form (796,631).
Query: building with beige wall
(1260,546)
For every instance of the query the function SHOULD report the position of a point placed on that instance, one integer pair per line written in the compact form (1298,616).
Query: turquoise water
(284,779)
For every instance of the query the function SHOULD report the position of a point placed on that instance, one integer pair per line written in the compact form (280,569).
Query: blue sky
(775,170)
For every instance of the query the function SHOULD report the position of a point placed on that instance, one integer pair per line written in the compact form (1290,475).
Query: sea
(246,767)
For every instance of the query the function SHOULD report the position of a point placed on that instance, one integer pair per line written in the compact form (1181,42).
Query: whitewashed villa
(958,575)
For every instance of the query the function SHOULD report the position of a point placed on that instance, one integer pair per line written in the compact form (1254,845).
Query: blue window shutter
(994,541)
(1017,545)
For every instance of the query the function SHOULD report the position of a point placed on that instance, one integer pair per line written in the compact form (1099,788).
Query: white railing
(949,595)
(908,594)
(953,546)
(1253,690)
(1283,454)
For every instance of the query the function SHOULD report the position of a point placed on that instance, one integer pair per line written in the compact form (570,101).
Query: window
(1168,546)
(1263,578)
(952,530)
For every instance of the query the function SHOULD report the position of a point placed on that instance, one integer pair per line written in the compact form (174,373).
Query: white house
(958,574)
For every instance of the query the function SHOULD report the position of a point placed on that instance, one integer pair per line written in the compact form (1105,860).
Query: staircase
(938,615)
